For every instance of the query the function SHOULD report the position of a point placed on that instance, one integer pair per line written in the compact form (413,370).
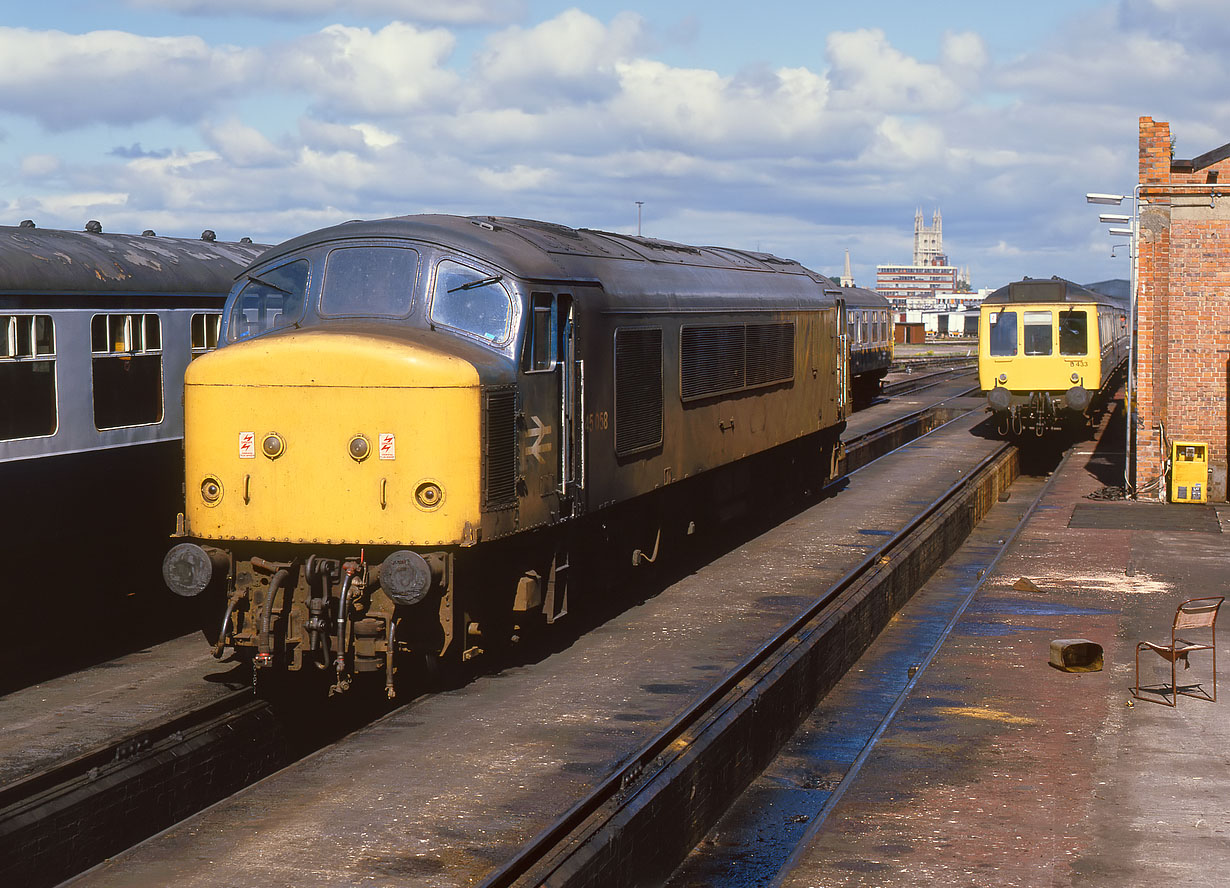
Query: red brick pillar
(1152,303)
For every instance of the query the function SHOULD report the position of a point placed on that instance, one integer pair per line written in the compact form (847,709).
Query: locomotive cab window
(1002,326)
(268,300)
(1038,332)
(369,282)
(127,370)
(27,377)
(540,346)
(1073,333)
(471,301)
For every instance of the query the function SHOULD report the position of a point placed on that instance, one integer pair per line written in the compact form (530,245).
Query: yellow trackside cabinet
(1189,472)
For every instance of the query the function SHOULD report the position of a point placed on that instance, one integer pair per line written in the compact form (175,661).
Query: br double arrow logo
(539,440)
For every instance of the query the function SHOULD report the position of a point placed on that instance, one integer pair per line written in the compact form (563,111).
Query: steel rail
(553,836)
(926,380)
(817,822)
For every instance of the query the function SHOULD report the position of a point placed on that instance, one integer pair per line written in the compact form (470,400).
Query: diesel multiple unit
(1046,349)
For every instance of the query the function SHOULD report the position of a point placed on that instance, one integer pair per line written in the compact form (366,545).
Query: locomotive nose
(327,436)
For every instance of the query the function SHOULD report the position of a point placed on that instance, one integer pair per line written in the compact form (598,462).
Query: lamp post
(639,204)
(1131,232)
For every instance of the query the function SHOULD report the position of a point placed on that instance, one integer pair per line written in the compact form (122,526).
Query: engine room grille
(500,449)
(731,358)
(638,389)
(711,360)
(770,353)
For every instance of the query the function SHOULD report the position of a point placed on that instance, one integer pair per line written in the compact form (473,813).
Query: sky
(802,129)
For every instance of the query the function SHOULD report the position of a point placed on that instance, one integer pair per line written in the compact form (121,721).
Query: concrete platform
(1002,770)
(440,790)
(59,719)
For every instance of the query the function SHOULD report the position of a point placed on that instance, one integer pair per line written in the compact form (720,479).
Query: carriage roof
(62,263)
(1051,290)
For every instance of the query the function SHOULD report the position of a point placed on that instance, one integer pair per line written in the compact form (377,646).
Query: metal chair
(1195,613)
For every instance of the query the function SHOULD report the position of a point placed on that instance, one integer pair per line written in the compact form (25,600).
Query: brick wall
(1183,308)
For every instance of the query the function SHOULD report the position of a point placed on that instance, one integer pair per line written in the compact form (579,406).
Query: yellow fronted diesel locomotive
(416,430)
(1046,349)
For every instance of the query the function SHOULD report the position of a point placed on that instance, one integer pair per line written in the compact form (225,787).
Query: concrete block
(1076,655)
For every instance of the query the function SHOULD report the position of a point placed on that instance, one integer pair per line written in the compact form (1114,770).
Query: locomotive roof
(1054,289)
(544,251)
(57,262)
(858,297)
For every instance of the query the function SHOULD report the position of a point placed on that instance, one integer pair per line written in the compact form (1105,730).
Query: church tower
(929,240)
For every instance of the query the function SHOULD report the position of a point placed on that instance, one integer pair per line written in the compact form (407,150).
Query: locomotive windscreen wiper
(260,280)
(481,282)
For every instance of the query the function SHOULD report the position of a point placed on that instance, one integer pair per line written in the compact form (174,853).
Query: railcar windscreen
(369,282)
(1073,333)
(471,301)
(1003,333)
(269,300)
(1038,332)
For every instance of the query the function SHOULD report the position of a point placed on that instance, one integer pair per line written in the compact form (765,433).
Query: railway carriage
(870,328)
(95,333)
(1046,350)
(418,431)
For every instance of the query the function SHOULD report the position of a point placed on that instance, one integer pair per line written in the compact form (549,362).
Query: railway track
(65,811)
(716,743)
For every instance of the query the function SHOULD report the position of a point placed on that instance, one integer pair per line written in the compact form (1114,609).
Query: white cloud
(702,110)
(518,177)
(570,57)
(904,143)
(349,71)
(243,146)
(36,166)
(66,80)
(867,72)
(438,11)
(964,50)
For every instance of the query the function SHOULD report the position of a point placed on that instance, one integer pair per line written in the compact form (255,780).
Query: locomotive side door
(572,409)
(553,405)
(843,357)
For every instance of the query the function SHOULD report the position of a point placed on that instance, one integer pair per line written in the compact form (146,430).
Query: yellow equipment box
(1189,471)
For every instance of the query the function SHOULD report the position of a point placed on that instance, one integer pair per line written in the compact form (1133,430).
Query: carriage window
(471,301)
(1037,333)
(268,300)
(1002,325)
(27,377)
(541,345)
(369,282)
(205,327)
(1073,333)
(127,369)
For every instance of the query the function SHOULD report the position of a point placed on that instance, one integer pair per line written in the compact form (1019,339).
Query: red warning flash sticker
(247,445)
(388,445)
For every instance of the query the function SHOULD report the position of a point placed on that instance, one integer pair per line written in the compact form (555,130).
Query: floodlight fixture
(1114,217)
(1120,232)
(1109,199)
